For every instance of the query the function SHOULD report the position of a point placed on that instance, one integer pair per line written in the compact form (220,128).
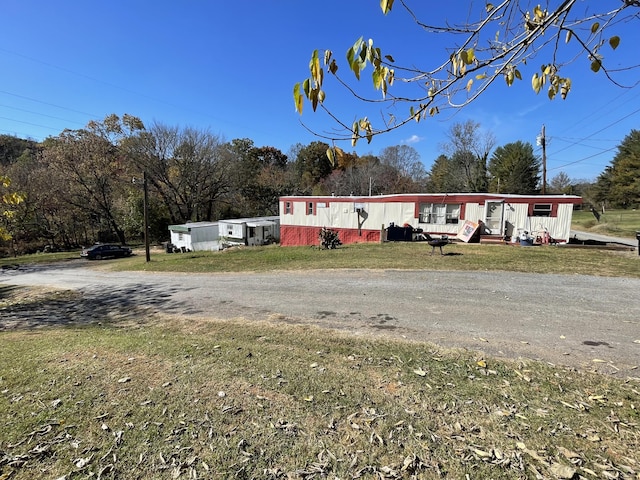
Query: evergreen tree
(619,184)
(514,168)
(443,177)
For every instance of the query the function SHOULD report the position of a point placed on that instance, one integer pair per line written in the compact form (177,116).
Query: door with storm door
(494,217)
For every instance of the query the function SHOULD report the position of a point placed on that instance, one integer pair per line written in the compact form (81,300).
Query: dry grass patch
(401,255)
(230,399)
(11,295)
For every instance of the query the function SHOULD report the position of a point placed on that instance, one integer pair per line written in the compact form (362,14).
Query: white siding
(559,227)
(201,234)
(232,230)
(340,213)
(181,240)
(343,214)
(516,214)
(200,237)
(473,212)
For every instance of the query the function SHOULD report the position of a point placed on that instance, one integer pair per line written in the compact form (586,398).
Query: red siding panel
(291,236)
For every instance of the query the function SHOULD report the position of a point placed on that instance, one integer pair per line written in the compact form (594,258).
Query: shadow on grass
(91,305)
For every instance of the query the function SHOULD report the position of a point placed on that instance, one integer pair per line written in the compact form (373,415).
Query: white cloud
(412,139)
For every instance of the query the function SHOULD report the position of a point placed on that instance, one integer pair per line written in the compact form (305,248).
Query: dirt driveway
(582,321)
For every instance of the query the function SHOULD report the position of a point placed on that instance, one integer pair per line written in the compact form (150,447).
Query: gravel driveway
(581,321)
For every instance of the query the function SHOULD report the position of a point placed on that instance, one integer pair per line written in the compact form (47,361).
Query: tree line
(86,185)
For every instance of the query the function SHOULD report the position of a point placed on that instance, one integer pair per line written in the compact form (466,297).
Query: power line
(40,114)
(14,133)
(28,123)
(47,103)
(583,159)
(579,142)
(93,79)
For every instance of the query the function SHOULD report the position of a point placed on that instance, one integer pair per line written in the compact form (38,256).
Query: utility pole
(543,141)
(146,216)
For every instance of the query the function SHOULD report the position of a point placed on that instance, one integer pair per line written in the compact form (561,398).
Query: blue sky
(229,68)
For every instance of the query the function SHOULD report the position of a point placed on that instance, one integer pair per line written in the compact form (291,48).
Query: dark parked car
(101,251)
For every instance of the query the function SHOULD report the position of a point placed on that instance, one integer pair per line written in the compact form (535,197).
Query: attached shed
(364,219)
(250,231)
(196,236)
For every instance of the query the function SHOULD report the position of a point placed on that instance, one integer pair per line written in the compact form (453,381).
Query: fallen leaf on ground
(562,471)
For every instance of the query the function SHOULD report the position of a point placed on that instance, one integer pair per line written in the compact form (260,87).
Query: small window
(541,209)
(288,208)
(310,208)
(180,236)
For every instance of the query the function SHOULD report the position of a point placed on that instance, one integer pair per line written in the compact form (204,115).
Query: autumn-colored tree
(8,201)
(311,165)
(359,176)
(259,176)
(187,170)
(44,215)
(94,171)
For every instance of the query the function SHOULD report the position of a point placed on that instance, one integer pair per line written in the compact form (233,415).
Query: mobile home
(250,231)
(364,219)
(195,236)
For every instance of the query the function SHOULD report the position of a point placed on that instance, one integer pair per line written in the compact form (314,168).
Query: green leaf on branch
(355,133)
(297,98)
(316,70)
(330,156)
(356,56)
(468,56)
(614,42)
(536,82)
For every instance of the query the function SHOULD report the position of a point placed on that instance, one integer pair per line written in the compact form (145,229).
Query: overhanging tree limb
(499,45)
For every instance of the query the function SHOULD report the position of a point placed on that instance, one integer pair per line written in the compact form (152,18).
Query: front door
(493,217)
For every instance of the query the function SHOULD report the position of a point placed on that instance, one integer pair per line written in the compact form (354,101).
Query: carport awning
(261,223)
(179,228)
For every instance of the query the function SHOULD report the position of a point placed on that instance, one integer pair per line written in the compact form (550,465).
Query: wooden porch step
(491,239)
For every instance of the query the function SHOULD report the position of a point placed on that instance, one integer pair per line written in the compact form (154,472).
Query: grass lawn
(166,399)
(402,255)
(618,223)
(159,397)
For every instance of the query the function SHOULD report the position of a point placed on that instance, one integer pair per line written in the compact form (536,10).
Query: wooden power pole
(146,217)
(542,141)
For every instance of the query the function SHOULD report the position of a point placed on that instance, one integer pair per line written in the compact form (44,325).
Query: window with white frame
(541,209)
(439,213)
(310,208)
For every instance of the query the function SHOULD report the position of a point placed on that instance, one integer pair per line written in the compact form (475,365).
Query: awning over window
(261,223)
(179,228)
